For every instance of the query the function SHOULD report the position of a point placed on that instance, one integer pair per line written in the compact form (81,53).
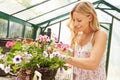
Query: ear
(90,17)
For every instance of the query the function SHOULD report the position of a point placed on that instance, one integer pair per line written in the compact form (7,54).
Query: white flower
(51,55)
(57,54)
(45,54)
(3,56)
(63,56)
(54,54)
(2,66)
(7,69)
(17,59)
(70,50)
(28,54)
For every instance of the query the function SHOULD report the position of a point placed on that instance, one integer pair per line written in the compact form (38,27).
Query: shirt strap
(92,36)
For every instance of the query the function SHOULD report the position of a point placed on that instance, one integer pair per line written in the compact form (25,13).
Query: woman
(88,43)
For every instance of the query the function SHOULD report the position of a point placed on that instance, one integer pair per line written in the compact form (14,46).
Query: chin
(80,30)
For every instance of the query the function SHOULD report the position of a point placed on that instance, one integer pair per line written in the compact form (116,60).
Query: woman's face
(80,21)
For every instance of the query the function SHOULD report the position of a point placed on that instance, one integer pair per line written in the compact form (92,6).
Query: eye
(79,20)
(73,19)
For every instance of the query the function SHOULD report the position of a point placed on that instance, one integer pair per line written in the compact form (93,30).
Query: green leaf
(15,68)
(1,50)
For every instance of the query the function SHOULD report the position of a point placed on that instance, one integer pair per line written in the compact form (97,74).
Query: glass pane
(25,15)
(114,63)
(15,30)
(54,30)
(11,6)
(3,28)
(104,6)
(38,32)
(114,13)
(115,3)
(52,14)
(49,6)
(60,19)
(28,32)
(65,35)
(106,19)
(106,26)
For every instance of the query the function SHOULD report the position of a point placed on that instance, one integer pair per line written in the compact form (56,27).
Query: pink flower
(65,47)
(42,38)
(28,71)
(58,45)
(10,43)
(27,78)
(55,37)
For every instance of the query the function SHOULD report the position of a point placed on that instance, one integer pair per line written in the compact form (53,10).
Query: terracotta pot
(3,44)
(28,40)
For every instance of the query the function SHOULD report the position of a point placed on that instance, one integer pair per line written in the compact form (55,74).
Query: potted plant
(25,56)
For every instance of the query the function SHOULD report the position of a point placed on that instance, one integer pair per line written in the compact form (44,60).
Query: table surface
(7,78)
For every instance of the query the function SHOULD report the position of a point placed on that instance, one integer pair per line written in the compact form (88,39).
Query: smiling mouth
(79,28)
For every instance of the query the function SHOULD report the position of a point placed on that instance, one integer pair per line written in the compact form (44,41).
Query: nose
(76,23)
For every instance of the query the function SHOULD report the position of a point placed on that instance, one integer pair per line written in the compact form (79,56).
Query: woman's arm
(99,46)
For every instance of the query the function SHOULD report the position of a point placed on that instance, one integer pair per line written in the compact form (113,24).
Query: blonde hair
(85,8)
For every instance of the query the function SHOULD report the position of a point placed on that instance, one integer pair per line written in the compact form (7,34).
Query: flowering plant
(42,52)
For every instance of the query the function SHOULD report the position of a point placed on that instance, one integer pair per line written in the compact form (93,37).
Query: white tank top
(82,74)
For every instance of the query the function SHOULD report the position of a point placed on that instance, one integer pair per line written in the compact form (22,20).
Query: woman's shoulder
(100,34)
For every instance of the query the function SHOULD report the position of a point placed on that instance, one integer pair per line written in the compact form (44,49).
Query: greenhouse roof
(39,12)
(43,13)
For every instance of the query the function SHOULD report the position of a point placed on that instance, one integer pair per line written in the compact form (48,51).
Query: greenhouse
(27,19)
